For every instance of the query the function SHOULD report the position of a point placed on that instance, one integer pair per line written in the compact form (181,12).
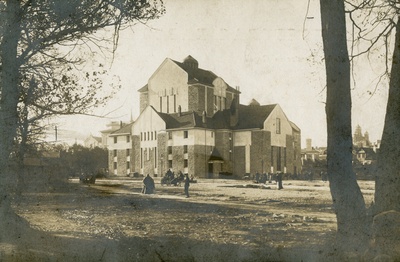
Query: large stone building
(359,139)
(191,121)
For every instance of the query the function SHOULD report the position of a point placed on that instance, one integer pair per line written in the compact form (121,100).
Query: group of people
(149,186)
(263,178)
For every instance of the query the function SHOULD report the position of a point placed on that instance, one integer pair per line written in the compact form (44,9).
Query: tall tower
(308,144)
(358,137)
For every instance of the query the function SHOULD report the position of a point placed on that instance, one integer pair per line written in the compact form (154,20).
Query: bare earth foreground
(223,220)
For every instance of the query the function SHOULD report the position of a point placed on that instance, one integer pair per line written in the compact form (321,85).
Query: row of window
(167,101)
(185,164)
(146,152)
(148,136)
(128,152)
(128,165)
(152,135)
(185,149)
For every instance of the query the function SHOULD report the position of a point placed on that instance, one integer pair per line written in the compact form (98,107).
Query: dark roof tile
(126,129)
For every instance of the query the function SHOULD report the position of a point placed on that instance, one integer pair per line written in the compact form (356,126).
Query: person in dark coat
(187,184)
(279,180)
(148,185)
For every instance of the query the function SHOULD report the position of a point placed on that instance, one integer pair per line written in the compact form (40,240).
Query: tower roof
(254,102)
(191,62)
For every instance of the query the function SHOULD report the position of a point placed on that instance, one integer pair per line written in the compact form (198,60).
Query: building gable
(149,120)
(168,88)
(279,125)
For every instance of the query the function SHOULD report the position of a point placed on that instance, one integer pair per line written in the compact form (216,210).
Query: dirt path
(222,220)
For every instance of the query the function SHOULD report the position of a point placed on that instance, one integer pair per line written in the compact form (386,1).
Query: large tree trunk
(347,198)
(8,104)
(387,187)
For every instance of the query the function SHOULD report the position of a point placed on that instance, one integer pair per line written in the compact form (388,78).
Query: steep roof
(294,126)
(144,88)
(196,75)
(215,155)
(126,129)
(249,117)
(201,76)
(253,116)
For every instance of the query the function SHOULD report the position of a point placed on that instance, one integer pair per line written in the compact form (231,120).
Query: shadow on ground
(151,229)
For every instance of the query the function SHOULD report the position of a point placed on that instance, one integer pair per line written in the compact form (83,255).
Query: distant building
(313,153)
(191,121)
(93,141)
(112,126)
(120,149)
(359,139)
(366,155)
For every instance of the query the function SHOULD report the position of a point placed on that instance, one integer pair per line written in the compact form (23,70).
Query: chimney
(179,110)
(204,119)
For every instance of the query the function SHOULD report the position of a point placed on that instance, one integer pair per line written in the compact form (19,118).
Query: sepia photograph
(199,130)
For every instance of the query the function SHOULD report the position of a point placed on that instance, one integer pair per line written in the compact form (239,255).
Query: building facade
(191,121)
(93,141)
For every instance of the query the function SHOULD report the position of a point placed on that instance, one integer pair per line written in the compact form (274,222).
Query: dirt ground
(223,220)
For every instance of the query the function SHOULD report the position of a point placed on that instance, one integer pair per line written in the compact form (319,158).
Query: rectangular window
(174,103)
(148,135)
(115,165)
(272,155)
(279,159)
(278,125)
(284,156)
(185,134)
(155,135)
(169,150)
(128,165)
(141,136)
(115,152)
(147,154)
(212,134)
(169,135)
(128,152)
(167,104)
(185,163)
(155,157)
(144,137)
(128,139)
(169,163)
(294,154)
(141,158)
(115,139)
(185,149)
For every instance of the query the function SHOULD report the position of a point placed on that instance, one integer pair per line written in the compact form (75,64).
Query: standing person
(148,185)
(279,179)
(187,184)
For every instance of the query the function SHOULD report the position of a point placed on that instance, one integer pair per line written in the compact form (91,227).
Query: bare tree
(37,43)
(346,195)
(380,22)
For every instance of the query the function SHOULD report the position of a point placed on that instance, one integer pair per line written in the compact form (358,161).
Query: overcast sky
(271,49)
